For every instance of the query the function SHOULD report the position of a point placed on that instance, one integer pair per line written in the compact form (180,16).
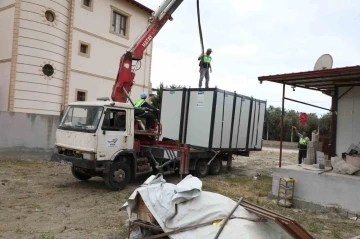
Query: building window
(119,22)
(48,70)
(84,49)
(87,4)
(50,16)
(81,95)
(114,120)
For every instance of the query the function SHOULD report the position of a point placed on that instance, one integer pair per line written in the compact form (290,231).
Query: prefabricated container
(212,119)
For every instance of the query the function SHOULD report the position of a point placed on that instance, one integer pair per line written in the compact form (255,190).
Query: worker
(140,110)
(205,66)
(303,140)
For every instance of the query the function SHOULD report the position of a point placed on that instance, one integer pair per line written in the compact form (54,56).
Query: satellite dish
(324,62)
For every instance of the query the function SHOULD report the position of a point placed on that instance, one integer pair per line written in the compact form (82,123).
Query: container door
(199,118)
(227,119)
(244,124)
(218,122)
(172,110)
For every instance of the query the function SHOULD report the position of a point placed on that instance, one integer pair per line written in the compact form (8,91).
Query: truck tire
(118,176)
(201,168)
(80,175)
(215,166)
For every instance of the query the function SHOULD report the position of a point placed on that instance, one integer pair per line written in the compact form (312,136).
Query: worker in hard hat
(303,141)
(141,106)
(205,67)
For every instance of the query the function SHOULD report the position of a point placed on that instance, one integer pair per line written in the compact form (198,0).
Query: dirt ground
(40,199)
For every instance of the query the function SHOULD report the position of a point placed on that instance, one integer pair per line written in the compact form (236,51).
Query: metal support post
(282,125)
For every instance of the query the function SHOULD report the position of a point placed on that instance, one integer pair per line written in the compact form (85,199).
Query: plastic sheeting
(185,204)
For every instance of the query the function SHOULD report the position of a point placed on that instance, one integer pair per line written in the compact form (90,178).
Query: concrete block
(309,161)
(314,190)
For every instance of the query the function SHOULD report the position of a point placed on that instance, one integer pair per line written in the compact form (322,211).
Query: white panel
(218,120)
(236,121)
(344,132)
(260,128)
(61,12)
(199,118)
(38,61)
(41,53)
(228,112)
(37,87)
(29,33)
(42,45)
(244,121)
(348,118)
(27,95)
(37,70)
(171,113)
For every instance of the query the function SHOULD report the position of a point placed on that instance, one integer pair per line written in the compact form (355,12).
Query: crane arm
(126,74)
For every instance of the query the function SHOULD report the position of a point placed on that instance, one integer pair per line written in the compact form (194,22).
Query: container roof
(321,80)
(139,5)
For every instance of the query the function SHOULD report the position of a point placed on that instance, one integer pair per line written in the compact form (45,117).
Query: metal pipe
(308,104)
(227,219)
(282,125)
(128,96)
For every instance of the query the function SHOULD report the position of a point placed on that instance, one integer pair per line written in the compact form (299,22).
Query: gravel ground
(40,199)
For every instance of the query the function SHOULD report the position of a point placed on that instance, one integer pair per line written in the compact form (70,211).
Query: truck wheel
(79,175)
(201,168)
(118,176)
(215,166)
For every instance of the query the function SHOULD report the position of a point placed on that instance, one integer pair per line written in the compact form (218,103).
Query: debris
(185,211)
(342,167)
(353,218)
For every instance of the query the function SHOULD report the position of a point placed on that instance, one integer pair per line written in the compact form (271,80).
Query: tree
(324,125)
(291,118)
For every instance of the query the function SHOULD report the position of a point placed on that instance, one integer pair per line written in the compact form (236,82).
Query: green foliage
(291,118)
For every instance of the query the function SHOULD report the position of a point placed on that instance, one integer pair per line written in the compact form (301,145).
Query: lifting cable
(199,25)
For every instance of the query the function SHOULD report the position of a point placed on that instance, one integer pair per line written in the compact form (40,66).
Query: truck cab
(97,139)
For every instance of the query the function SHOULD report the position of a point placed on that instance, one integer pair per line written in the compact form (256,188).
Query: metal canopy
(321,80)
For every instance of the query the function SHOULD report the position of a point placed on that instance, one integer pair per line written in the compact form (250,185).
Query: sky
(256,38)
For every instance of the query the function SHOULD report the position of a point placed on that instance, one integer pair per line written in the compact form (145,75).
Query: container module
(213,119)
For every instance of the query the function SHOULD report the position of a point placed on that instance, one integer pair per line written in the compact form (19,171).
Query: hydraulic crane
(126,73)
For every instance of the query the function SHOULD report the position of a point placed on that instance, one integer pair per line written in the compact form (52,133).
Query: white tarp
(185,204)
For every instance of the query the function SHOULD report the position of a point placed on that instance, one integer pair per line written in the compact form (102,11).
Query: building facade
(54,52)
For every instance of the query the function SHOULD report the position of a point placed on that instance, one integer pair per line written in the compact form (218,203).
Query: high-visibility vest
(207,59)
(303,140)
(139,103)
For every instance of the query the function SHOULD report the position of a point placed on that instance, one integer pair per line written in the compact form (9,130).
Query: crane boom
(126,74)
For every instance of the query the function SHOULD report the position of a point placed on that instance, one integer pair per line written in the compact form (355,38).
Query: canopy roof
(321,80)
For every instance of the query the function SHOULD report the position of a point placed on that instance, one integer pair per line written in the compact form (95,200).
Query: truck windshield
(82,118)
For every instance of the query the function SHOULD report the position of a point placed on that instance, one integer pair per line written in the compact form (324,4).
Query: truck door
(115,133)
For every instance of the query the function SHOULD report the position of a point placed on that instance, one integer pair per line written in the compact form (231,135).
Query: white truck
(202,127)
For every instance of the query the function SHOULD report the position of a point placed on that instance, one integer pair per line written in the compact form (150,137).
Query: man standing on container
(303,140)
(205,66)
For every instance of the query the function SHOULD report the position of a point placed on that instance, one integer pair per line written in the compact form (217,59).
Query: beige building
(53,52)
